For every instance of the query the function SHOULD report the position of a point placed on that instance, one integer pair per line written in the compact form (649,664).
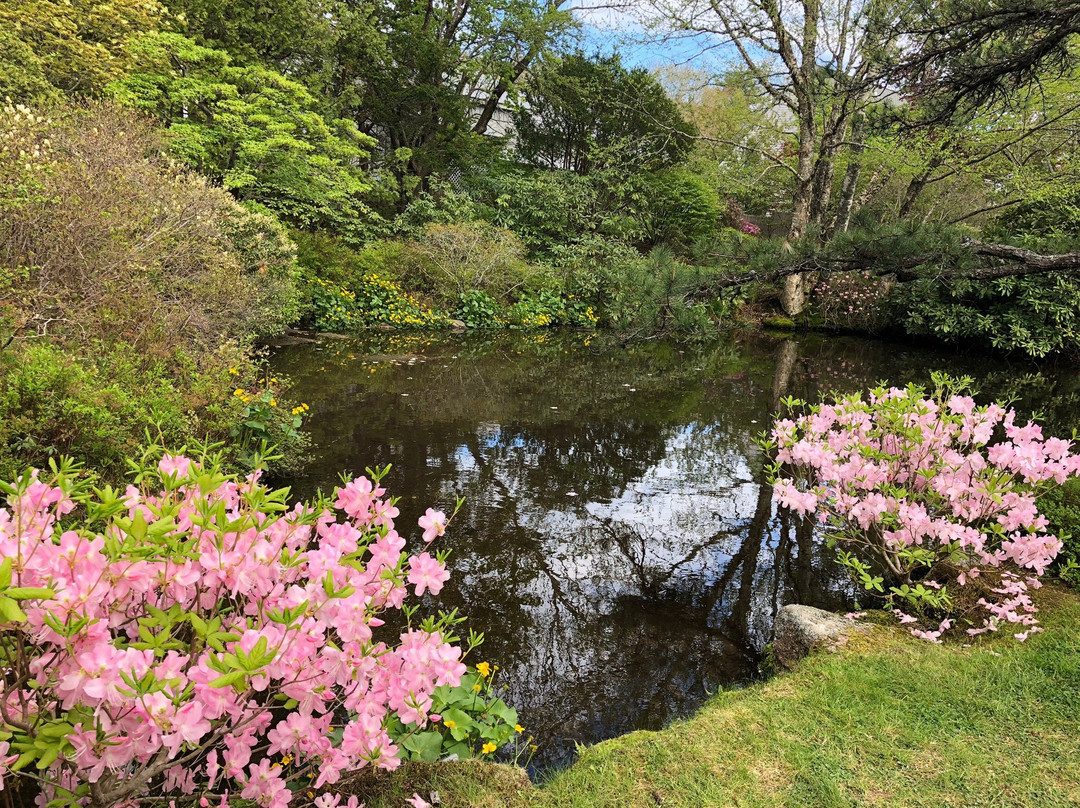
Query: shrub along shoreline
(134,291)
(887,720)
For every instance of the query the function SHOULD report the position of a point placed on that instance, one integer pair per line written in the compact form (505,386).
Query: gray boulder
(801,629)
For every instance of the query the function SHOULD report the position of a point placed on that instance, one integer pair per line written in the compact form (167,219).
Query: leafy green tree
(545,209)
(586,114)
(74,46)
(22,73)
(674,207)
(290,36)
(253,130)
(430,91)
(819,63)
(739,137)
(976,166)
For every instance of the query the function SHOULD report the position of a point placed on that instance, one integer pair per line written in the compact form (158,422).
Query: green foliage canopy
(71,46)
(255,131)
(587,114)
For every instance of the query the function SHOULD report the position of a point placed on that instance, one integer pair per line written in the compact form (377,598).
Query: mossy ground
(888,721)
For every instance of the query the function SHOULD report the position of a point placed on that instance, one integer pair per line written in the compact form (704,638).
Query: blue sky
(607,29)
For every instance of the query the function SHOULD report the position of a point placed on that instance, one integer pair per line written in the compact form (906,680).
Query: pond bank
(889,720)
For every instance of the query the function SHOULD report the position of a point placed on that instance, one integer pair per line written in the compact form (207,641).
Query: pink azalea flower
(427,573)
(170,465)
(434,524)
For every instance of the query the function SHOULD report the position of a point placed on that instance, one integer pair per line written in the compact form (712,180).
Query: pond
(618,546)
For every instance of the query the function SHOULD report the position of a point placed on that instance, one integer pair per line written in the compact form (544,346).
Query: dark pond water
(618,547)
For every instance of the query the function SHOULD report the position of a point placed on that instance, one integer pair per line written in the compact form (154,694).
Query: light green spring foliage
(255,131)
(740,137)
(75,47)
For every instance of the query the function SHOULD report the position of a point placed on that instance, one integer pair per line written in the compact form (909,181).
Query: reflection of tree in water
(560,400)
(604,624)
(623,606)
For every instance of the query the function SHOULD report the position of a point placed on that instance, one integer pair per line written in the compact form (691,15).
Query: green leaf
(426,746)
(463,723)
(462,751)
(10,611)
(48,757)
(28,592)
(230,679)
(506,714)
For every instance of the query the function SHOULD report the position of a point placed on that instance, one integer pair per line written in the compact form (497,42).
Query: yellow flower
(239,391)
(273,402)
(518,728)
(234,371)
(450,724)
(489,747)
(476,687)
(484,669)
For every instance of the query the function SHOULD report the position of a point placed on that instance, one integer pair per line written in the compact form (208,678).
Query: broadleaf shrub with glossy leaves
(197,637)
(930,498)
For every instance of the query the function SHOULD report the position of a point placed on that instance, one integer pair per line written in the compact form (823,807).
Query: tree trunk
(851,176)
(786,358)
(915,187)
(793,298)
(826,163)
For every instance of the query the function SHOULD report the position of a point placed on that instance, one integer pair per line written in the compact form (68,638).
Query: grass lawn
(889,721)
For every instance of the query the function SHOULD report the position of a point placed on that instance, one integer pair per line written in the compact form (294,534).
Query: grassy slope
(888,721)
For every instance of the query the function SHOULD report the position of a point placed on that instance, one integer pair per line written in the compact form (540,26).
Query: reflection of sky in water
(617,547)
(630,618)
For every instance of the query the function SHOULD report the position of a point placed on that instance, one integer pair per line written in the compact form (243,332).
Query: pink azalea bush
(196,637)
(929,499)
(748,228)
